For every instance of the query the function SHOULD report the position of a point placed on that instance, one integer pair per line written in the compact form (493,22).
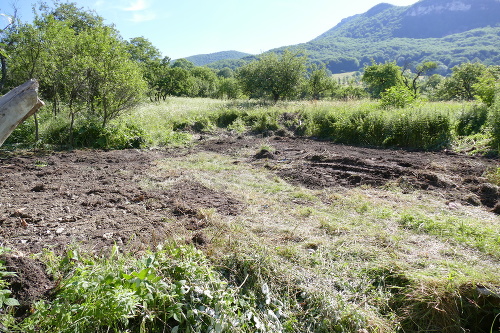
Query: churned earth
(95,199)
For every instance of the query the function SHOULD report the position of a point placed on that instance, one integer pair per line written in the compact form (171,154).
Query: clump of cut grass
(493,176)
(464,231)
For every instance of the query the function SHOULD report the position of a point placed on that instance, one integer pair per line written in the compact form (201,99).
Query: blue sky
(182,28)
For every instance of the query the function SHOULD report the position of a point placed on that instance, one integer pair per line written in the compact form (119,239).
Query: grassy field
(364,259)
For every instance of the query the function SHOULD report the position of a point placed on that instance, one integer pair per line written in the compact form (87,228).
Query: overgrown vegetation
(7,303)
(174,289)
(298,260)
(421,125)
(89,77)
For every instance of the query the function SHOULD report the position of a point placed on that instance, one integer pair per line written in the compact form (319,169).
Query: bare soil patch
(99,198)
(316,165)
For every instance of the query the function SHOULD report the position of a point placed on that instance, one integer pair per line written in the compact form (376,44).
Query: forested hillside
(205,59)
(448,32)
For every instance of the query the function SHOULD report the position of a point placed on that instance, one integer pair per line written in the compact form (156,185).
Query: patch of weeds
(493,176)
(471,120)
(175,288)
(303,195)
(268,148)
(41,164)
(333,227)
(475,144)
(238,126)
(305,212)
(440,308)
(7,303)
(288,252)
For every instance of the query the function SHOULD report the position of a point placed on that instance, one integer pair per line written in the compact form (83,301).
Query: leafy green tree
(153,66)
(177,82)
(78,18)
(487,85)
(273,75)
(380,77)
(142,50)
(430,85)
(5,29)
(228,88)
(80,63)
(460,85)
(320,82)
(225,72)
(116,81)
(206,81)
(350,92)
(397,97)
(411,79)
(183,63)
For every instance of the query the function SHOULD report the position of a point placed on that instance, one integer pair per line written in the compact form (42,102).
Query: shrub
(226,117)
(405,128)
(471,120)
(174,290)
(92,134)
(419,130)
(396,97)
(494,122)
(6,302)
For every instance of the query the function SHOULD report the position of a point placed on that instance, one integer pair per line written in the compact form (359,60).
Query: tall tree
(380,77)
(319,82)
(411,79)
(7,25)
(462,82)
(80,63)
(273,75)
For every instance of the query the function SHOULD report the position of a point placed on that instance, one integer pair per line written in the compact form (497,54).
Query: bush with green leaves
(175,289)
(6,301)
(414,128)
(397,97)
(494,121)
(92,134)
(471,120)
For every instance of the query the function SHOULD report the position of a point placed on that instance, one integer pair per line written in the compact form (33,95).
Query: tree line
(88,71)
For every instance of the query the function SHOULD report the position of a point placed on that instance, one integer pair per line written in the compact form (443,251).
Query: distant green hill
(424,19)
(204,59)
(447,31)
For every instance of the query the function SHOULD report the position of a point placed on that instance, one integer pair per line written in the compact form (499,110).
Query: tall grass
(423,125)
(421,128)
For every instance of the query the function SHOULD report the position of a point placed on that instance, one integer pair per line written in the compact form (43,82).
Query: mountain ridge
(446,31)
(205,59)
(424,19)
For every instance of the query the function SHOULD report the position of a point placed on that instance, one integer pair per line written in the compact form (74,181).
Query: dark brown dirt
(319,164)
(99,198)
(30,282)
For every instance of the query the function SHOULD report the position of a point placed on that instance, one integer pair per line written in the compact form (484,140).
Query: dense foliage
(89,75)
(205,59)
(82,65)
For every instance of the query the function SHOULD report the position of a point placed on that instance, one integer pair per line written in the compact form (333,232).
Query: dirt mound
(29,284)
(96,199)
(190,198)
(194,204)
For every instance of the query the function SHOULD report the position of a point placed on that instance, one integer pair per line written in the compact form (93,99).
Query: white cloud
(7,18)
(137,5)
(143,17)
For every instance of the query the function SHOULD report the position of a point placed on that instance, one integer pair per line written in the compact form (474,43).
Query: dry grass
(348,249)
